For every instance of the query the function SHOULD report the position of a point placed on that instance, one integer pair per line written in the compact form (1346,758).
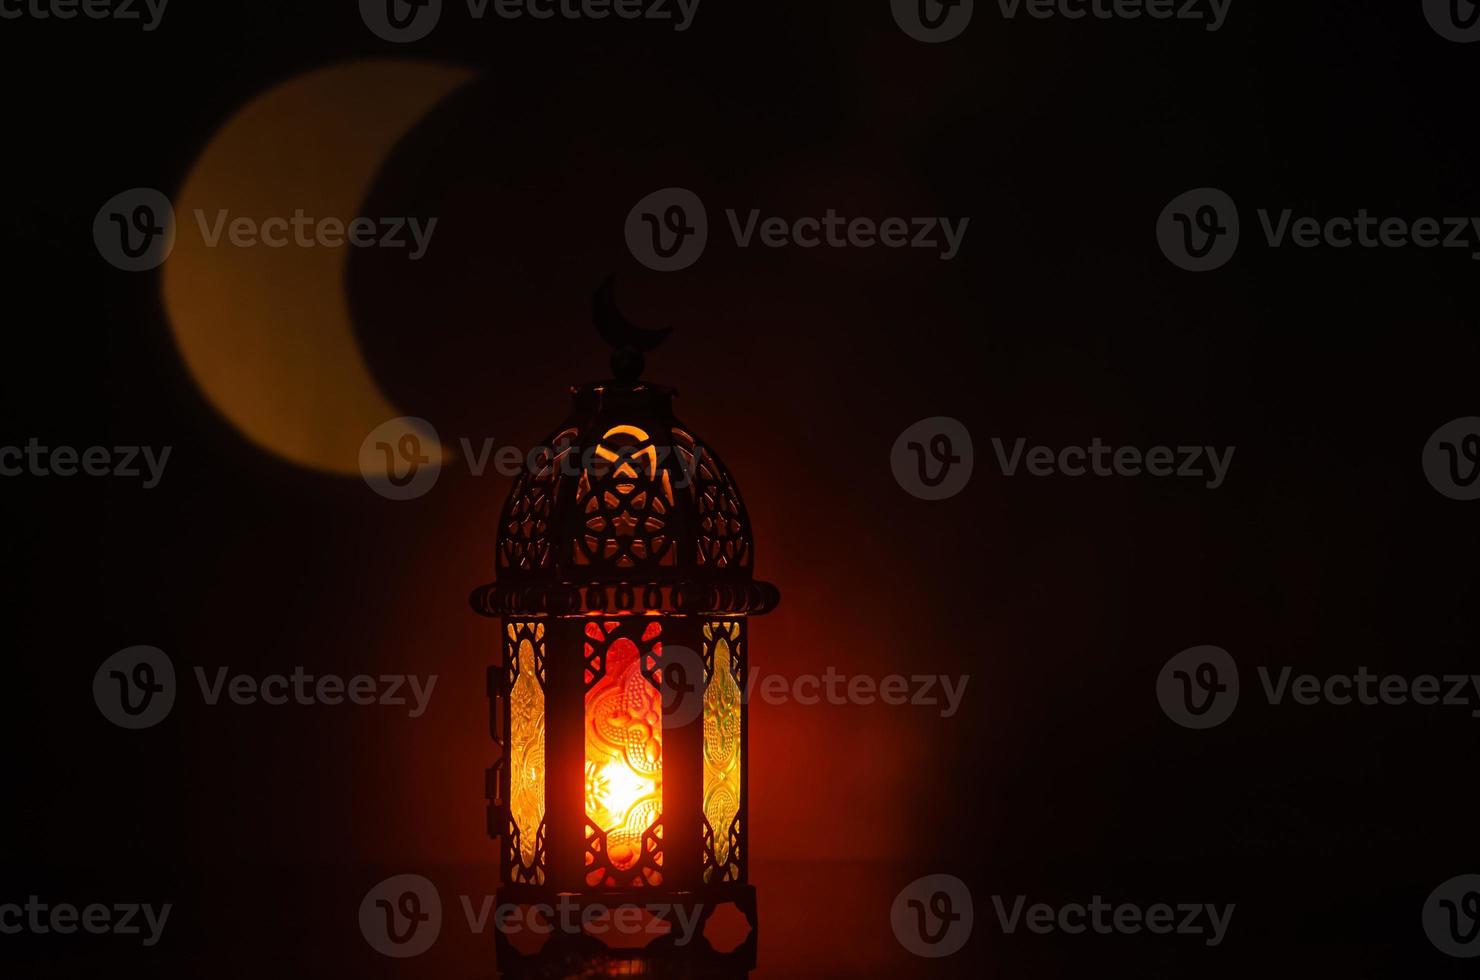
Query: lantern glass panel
(624,752)
(722,739)
(527,740)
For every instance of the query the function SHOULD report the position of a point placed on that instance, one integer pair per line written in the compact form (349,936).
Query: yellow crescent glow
(266,332)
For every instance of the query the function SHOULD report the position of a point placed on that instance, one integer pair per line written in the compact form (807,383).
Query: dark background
(1059,321)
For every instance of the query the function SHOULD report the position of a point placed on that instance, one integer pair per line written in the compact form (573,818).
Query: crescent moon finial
(628,341)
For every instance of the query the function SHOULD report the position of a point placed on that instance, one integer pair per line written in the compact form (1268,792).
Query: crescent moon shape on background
(266,332)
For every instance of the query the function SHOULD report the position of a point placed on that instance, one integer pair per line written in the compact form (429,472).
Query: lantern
(624,584)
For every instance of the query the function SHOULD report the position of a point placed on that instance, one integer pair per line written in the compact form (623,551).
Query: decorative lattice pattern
(723,528)
(625,501)
(525,541)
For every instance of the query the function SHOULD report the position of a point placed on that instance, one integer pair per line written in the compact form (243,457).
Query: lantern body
(624,584)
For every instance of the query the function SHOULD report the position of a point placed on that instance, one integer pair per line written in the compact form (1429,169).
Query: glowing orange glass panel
(624,754)
(527,748)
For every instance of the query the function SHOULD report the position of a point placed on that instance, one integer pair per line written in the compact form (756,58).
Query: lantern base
(639,932)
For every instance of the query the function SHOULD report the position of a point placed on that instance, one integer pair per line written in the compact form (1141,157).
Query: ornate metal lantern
(624,581)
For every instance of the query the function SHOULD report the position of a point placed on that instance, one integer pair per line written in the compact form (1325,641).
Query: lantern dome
(624,509)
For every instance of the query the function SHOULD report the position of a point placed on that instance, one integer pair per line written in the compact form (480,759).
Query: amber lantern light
(624,583)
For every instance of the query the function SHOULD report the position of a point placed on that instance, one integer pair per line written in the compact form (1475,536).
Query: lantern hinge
(493,791)
(498,700)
